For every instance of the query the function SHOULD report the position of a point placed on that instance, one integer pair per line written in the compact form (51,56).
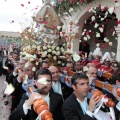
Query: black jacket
(72,111)
(55,108)
(66,91)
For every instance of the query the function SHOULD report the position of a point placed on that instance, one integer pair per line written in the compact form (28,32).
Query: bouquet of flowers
(56,54)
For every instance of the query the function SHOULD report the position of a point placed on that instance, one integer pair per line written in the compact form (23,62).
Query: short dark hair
(43,71)
(69,62)
(77,76)
(116,76)
(41,63)
(17,53)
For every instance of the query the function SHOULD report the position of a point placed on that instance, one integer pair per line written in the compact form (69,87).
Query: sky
(15,15)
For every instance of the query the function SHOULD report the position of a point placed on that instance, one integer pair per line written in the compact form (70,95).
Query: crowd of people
(75,101)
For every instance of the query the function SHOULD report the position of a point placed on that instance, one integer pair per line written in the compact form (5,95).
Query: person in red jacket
(107,63)
(97,56)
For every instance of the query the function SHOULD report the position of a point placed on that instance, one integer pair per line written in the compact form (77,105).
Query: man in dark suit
(76,106)
(43,83)
(19,83)
(1,62)
(57,85)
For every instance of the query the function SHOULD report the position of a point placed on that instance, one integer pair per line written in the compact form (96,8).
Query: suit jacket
(66,91)
(72,111)
(12,78)
(55,108)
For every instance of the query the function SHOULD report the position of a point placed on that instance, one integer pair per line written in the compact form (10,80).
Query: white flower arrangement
(62,50)
(48,46)
(44,48)
(49,50)
(53,47)
(49,55)
(57,48)
(56,54)
(54,58)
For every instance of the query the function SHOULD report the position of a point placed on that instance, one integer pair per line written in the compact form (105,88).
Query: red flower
(22,5)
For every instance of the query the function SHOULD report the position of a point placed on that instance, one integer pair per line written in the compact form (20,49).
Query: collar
(85,99)
(45,97)
(55,83)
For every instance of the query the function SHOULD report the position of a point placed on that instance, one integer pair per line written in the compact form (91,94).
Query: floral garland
(56,54)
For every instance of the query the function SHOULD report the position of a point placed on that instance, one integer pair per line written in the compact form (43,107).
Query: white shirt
(84,107)
(57,87)
(118,106)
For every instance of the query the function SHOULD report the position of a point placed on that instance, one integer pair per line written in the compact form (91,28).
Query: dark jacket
(66,91)
(72,111)
(55,108)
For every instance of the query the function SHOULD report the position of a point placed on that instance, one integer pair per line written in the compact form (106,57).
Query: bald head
(28,69)
(55,73)
(92,72)
(90,65)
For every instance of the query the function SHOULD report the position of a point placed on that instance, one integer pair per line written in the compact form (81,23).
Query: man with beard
(43,83)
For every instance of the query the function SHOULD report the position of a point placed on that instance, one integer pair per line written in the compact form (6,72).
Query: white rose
(32,59)
(33,69)
(53,47)
(48,46)
(44,48)
(49,50)
(54,58)
(36,63)
(49,55)
(59,62)
(64,44)
(54,52)
(58,53)
(57,48)
(63,64)
(62,50)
